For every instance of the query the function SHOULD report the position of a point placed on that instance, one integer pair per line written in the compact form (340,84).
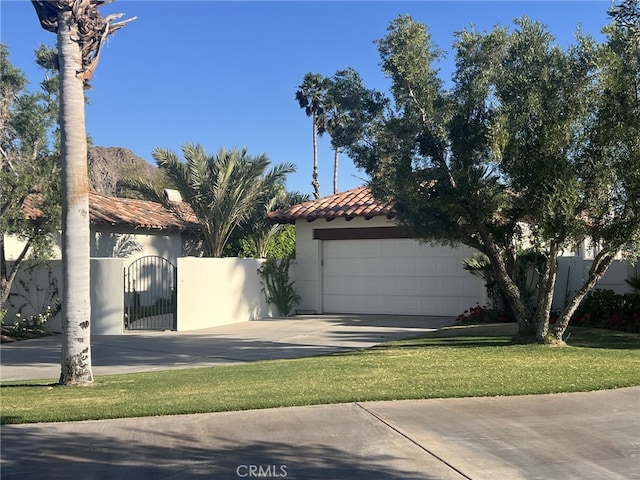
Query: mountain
(110,165)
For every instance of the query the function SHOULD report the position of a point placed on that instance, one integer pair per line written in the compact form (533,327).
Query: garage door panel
(400,276)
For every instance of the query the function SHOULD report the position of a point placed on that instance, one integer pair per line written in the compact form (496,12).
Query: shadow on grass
(452,342)
(501,335)
(601,338)
(27,385)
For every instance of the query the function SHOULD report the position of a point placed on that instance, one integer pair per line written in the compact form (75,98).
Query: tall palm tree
(310,96)
(80,32)
(223,190)
(335,121)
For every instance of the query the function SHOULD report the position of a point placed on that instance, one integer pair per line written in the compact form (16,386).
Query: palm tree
(80,32)
(310,96)
(223,190)
(335,121)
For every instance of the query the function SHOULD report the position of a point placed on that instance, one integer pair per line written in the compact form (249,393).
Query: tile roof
(135,213)
(30,206)
(358,202)
(128,212)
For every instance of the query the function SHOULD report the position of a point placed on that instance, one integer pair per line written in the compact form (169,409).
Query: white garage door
(396,276)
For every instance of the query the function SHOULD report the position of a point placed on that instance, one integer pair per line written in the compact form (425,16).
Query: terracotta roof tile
(128,212)
(30,207)
(135,213)
(358,202)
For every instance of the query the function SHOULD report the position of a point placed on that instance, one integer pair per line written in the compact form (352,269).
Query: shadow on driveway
(268,339)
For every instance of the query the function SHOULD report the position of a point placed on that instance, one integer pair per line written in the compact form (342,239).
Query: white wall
(574,271)
(219,291)
(211,292)
(13,247)
(107,296)
(165,243)
(38,287)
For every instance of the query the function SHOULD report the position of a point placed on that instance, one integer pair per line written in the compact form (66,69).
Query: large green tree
(29,166)
(609,157)
(534,145)
(223,190)
(348,106)
(80,32)
(310,96)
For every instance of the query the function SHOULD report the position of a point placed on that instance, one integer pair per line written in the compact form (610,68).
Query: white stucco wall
(107,304)
(574,271)
(219,291)
(38,287)
(13,246)
(163,243)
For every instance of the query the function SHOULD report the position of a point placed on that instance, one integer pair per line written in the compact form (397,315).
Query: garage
(352,257)
(396,276)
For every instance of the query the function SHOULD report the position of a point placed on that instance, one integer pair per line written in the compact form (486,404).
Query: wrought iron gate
(150,301)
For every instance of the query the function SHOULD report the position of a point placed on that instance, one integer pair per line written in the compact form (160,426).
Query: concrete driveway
(292,337)
(585,436)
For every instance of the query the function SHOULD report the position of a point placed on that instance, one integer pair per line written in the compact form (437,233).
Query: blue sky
(224,74)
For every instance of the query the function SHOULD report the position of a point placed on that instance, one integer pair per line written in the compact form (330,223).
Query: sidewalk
(585,436)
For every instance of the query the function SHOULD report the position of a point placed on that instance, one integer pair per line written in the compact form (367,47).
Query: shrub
(482,314)
(277,288)
(24,327)
(607,309)
(634,282)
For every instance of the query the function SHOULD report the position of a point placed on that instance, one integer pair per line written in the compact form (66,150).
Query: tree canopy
(533,147)
(223,190)
(29,164)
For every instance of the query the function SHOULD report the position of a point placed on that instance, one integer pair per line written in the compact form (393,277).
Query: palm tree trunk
(314,176)
(76,304)
(336,156)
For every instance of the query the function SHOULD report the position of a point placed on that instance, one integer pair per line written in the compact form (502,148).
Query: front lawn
(453,362)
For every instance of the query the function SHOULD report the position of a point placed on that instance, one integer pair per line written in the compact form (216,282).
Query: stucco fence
(573,271)
(218,291)
(210,292)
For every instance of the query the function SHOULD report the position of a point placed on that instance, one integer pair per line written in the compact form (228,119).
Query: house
(129,228)
(351,257)
(122,231)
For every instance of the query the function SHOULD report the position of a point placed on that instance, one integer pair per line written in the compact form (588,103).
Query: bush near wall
(610,310)
(599,309)
(482,314)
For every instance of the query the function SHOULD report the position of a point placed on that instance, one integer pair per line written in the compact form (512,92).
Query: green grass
(453,362)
